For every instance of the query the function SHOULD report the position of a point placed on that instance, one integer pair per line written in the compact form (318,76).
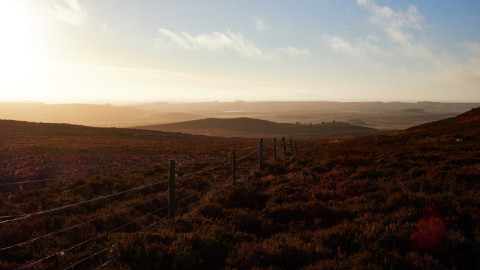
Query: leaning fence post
(234,168)
(260,153)
(291,145)
(171,190)
(274,148)
(284,146)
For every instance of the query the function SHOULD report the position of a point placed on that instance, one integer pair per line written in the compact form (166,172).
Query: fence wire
(79,224)
(93,238)
(223,186)
(82,202)
(180,211)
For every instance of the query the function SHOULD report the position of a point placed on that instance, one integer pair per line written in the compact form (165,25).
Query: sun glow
(14,48)
(18,47)
(85,51)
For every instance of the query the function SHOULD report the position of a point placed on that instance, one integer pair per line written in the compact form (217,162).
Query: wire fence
(63,207)
(180,211)
(91,239)
(67,177)
(80,224)
(186,204)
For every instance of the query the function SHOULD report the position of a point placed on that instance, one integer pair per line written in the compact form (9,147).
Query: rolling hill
(79,114)
(404,200)
(407,199)
(378,115)
(463,124)
(248,127)
(31,151)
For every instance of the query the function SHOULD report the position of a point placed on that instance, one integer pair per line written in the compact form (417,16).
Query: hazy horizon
(122,52)
(134,103)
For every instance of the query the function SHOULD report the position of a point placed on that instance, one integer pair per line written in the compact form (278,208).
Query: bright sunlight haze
(69,51)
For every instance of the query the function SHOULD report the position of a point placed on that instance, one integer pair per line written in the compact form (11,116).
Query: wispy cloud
(210,41)
(394,23)
(362,47)
(220,41)
(69,11)
(292,51)
(398,27)
(260,25)
(400,44)
(399,35)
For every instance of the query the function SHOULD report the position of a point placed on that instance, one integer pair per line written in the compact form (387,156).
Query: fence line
(247,155)
(205,197)
(13,216)
(82,202)
(105,249)
(208,195)
(61,178)
(79,224)
(205,170)
(149,226)
(102,265)
(103,197)
(197,202)
(93,238)
(38,181)
(91,220)
(89,257)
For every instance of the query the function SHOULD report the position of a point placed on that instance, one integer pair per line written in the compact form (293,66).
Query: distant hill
(249,127)
(466,123)
(378,115)
(79,114)
(42,150)
(311,106)
(13,131)
(413,110)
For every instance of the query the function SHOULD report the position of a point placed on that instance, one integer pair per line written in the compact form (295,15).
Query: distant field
(378,115)
(407,199)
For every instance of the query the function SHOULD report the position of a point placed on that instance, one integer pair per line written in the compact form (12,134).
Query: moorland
(404,199)
(378,115)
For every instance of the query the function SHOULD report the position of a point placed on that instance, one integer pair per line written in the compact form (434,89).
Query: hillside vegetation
(37,150)
(248,127)
(405,200)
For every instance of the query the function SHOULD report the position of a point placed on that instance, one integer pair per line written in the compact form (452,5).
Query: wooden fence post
(274,148)
(234,168)
(171,190)
(260,153)
(291,145)
(284,146)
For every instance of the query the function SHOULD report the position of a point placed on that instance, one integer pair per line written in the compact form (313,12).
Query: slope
(404,200)
(31,151)
(407,200)
(248,127)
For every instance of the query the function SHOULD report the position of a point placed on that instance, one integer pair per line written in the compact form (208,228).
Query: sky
(119,51)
